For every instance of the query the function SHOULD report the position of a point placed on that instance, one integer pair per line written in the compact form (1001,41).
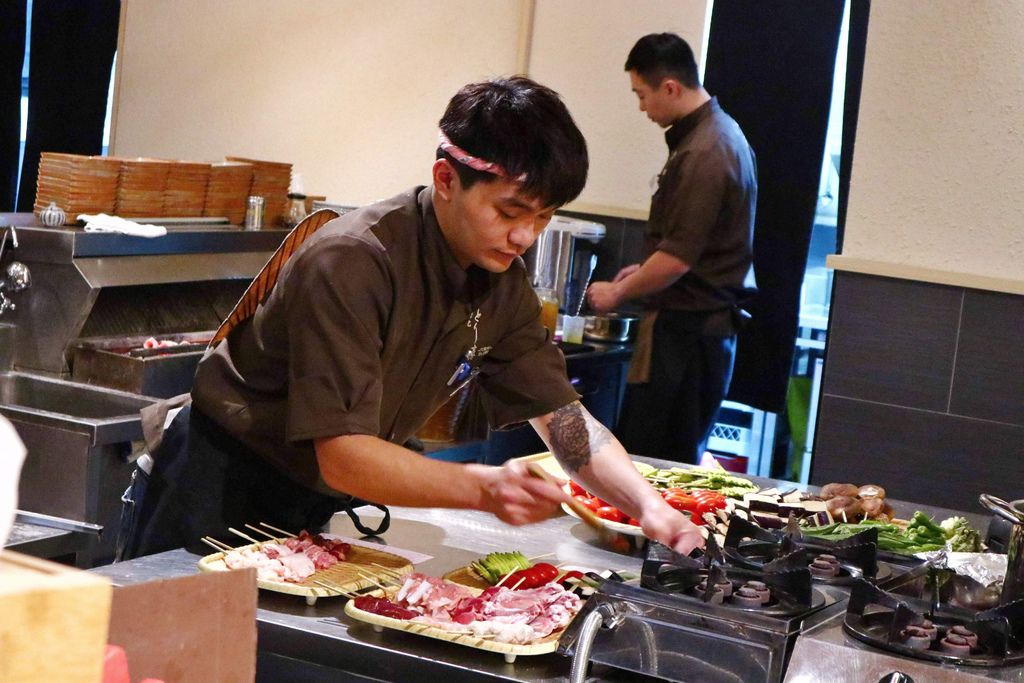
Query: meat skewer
(261,531)
(213,545)
(245,536)
(280,531)
(371,579)
(219,545)
(332,587)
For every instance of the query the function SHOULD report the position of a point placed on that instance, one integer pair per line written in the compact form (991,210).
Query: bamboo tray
(349,575)
(545,645)
(465,576)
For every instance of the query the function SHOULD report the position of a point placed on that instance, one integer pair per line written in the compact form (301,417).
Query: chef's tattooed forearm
(575,436)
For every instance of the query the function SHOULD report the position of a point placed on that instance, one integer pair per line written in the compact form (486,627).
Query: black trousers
(204,481)
(671,415)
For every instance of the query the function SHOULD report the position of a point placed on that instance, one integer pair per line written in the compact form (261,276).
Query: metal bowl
(611,327)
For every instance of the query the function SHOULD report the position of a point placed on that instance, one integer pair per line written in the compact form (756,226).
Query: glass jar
(548,308)
(296,209)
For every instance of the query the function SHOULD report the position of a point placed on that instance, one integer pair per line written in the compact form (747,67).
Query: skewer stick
(212,544)
(843,513)
(280,531)
(244,535)
(537,557)
(367,577)
(332,587)
(505,578)
(519,583)
(389,571)
(220,545)
(261,531)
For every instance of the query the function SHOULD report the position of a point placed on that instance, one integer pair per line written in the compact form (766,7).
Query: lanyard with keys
(464,371)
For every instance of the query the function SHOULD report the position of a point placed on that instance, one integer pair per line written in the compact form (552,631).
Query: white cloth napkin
(101,222)
(12,454)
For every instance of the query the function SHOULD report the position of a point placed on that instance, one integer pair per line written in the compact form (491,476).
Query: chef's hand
(603,296)
(517,497)
(671,528)
(626,272)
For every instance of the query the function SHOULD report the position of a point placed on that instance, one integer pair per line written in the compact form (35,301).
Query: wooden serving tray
(466,576)
(545,645)
(345,575)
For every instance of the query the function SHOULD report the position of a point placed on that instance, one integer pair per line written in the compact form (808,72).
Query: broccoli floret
(960,535)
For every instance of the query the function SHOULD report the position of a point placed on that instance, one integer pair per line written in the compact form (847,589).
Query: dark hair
(658,56)
(524,127)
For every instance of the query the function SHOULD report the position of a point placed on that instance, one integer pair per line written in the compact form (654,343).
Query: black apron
(204,481)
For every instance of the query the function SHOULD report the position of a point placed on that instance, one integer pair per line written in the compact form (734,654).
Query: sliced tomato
(632,522)
(708,501)
(682,502)
(577,490)
(612,514)
(590,503)
(566,579)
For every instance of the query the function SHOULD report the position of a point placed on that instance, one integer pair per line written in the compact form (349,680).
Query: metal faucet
(18,276)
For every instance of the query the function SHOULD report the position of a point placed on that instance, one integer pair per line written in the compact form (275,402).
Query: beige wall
(351,91)
(938,170)
(585,65)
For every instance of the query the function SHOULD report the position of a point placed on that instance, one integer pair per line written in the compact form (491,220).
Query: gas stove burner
(914,627)
(829,562)
(779,588)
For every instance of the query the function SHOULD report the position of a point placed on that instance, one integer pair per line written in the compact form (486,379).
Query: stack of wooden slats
(77,184)
(140,189)
(227,190)
(270,180)
(185,194)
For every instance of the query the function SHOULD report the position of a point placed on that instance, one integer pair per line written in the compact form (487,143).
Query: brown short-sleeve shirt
(363,331)
(703,211)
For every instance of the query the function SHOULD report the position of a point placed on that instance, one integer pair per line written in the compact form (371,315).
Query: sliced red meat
(383,607)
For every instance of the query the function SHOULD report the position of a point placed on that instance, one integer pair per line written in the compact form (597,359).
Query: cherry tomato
(590,503)
(612,514)
(545,573)
(577,490)
(682,502)
(632,522)
(519,580)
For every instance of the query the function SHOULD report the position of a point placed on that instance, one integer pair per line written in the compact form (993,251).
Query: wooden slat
(260,287)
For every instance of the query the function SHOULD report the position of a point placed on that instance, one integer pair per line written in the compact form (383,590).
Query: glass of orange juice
(548,308)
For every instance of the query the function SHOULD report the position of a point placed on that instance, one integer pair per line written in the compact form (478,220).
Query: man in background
(696,272)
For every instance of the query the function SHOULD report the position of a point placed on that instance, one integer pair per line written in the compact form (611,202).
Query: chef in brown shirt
(374,323)
(697,271)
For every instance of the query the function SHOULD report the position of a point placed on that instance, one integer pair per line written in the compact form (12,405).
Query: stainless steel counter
(319,643)
(48,543)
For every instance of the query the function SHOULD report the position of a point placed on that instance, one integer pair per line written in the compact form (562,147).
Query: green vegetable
(921,535)
(496,565)
(961,536)
(926,525)
(699,478)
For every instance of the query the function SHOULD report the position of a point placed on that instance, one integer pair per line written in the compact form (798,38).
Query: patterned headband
(475,163)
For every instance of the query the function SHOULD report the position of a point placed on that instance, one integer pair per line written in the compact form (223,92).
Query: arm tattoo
(575,436)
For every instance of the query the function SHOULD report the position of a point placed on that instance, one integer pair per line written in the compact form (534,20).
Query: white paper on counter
(12,455)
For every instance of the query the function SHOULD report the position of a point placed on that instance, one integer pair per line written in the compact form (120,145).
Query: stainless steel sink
(106,415)
(79,440)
